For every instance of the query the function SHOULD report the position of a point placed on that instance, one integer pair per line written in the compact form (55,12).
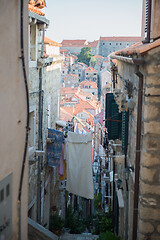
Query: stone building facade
(44,91)
(136,161)
(91,74)
(107,45)
(78,68)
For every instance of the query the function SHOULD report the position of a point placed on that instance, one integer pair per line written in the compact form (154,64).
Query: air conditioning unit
(150,20)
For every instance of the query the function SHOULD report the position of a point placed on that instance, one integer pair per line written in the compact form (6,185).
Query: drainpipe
(40,138)
(138,154)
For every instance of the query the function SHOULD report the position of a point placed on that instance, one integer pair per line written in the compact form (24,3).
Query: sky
(90,19)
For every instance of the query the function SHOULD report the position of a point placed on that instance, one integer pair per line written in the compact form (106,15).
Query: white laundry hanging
(79,165)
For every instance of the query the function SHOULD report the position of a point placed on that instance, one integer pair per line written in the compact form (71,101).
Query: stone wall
(149,194)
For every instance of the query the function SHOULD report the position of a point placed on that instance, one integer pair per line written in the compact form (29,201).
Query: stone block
(152,127)
(151,143)
(149,213)
(158,228)
(150,112)
(148,201)
(145,227)
(149,189)
(153,79)
(153,69)
(148,159)
(147,174)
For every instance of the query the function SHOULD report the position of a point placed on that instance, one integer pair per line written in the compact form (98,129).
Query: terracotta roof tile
(139,48)
(98,56)
(90,69)
(73,42)
(51,42)
(87,83)
(36,10)
(93,44)
(121,39)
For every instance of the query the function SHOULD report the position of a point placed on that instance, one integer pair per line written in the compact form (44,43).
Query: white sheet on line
(79,165)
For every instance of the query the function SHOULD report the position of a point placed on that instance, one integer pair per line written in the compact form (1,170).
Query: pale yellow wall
(13,105)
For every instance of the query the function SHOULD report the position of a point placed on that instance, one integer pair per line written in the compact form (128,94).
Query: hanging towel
(79,165)
(54,150)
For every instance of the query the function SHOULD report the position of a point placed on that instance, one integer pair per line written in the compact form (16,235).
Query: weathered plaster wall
(13,107)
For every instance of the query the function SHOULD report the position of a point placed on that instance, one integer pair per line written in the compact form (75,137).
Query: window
(120,43)
(95,73)
(86,73)
(110,43)
(33,42)
(2,195)
(103,43)
(7,190)
(79,74)
(116,43)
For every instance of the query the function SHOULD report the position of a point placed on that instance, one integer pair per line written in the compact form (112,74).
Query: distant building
(87,86)
(71,81)
(108,45)
(98,63)
(78,68)
(74,46)
(94,47)
(90,74)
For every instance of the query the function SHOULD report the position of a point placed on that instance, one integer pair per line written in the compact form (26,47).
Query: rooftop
(138,48)
(90,69)
(121,39)
(51,42)
(93,44)
(73,42)
(87,83)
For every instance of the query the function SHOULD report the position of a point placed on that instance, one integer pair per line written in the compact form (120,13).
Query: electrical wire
(27,121)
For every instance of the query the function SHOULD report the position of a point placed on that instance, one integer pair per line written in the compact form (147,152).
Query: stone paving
(68,236)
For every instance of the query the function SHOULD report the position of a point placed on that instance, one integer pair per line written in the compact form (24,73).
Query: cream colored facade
(13,118)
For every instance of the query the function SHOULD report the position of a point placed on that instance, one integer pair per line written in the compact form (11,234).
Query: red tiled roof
(139,48)
(98,56)
(87,83)
(83,105)
(39,3)
(36,10)
(51,42)
(68,90)
(93,44)
(66,114)
(63,50)
(73,42)
(90,69)
(121,39)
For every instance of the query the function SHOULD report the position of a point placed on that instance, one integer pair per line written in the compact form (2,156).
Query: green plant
(56,223)
(73,221)
(97,201)
(103,222)
(108,236)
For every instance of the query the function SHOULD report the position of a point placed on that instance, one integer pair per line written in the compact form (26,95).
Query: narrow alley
(80,120)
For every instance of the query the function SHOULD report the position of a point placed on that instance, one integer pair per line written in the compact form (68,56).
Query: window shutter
(113,119)
(125,119)
(146,16)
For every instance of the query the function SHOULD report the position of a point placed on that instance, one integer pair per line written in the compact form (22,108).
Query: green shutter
(125,118)
(113,118)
